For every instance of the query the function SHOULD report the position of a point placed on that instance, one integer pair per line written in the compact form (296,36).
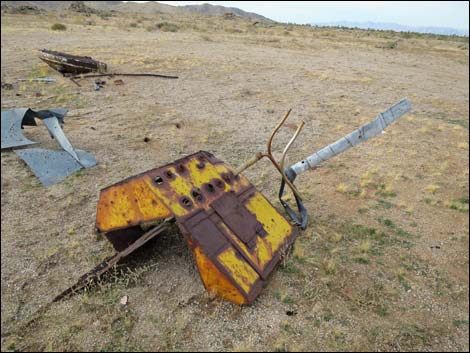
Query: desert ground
(384,262)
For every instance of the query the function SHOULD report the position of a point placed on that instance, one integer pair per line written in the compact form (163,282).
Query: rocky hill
(149,7)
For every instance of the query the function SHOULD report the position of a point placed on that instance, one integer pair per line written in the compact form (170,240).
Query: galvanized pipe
(362,134)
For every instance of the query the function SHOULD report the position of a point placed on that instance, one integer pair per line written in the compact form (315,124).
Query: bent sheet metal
(236,235)
(12,123)
(50,166)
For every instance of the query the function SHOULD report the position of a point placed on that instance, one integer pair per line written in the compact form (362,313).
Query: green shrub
(167,27)
(59,27)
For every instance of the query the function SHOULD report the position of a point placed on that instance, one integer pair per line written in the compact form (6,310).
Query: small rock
(124,300)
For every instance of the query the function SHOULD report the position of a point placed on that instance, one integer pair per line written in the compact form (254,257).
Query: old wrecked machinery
(236,235)
(68,64)
(78,67)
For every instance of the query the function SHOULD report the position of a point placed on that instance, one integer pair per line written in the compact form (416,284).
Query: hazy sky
(411,13)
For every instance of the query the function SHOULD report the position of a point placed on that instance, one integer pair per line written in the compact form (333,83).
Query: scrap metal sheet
(11,129)
(53,126)
(51,166)
(29,115)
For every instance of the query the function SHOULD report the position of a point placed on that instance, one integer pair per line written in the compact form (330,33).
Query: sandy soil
(383,264)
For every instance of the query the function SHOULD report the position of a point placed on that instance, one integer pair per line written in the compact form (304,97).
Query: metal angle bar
(110,262)
(53,126)
(359,135)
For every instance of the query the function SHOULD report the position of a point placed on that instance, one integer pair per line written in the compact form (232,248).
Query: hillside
(150,7)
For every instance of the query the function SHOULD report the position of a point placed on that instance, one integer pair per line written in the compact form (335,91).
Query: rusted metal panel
(178,189)
(236,235)
(238,218)
(71,64)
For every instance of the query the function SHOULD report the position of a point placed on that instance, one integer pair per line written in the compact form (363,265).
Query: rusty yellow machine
(236,235)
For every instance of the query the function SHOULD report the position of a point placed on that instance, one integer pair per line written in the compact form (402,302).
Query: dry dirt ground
(383,264)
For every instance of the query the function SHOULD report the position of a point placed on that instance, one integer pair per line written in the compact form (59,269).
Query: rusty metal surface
(237,236)
(71,64)
(238,218)
(178,188)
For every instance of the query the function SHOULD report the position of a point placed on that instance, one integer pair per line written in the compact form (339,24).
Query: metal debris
(52,125)
(68,64)
(112,74)
(99,84)
(49,166)
(111,261)
(41,79)
(12,123)
(14,120)
(356,137)
(236,235)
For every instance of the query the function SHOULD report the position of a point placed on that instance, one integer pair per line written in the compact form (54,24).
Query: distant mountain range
(395,27)
(150,7)
(153,7)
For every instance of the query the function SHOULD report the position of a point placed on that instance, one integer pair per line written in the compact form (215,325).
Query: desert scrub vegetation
(460,204)
(59,27)
(163,26)
(167,26)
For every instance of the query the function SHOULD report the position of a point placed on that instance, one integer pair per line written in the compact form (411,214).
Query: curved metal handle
(287,176)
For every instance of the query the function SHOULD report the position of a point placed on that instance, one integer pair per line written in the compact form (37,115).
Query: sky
(454,14)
